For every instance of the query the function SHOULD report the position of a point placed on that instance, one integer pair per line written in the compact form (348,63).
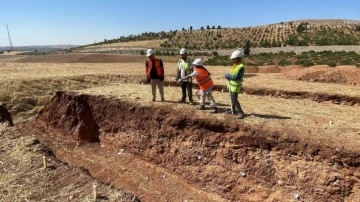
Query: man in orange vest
(155,74)
(202,76)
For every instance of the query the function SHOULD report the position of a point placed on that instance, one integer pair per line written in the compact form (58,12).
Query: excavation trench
(316,97)
(231,160)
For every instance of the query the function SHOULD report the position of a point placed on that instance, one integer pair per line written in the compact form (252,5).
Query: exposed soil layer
(217,161)
(24,176)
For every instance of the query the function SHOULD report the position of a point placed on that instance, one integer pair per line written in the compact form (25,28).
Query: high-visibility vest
(203,79)
(186,64)
(157,65)
(235,85)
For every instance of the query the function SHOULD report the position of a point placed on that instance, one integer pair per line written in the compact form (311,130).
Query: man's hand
(161,78)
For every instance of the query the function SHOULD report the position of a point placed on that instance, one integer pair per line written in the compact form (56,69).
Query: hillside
(292,33)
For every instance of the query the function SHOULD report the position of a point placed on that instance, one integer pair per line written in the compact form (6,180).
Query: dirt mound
(231,159)
(340,74)
(74,118)
(251,69)
(269,69)
(83,58)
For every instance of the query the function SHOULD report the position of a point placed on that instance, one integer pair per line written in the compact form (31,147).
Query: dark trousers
(235,103)
(186,86)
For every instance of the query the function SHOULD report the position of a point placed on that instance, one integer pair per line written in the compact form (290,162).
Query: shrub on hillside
(283,62)
(304,63)
(331,64)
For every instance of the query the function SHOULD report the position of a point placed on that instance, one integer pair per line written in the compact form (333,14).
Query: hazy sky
(80,22)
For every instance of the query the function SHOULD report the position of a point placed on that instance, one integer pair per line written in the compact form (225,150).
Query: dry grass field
(93,122)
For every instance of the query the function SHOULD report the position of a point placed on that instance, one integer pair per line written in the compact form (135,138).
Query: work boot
(231,110)
(182,101)
(240,115)
(201,107)
(214,110)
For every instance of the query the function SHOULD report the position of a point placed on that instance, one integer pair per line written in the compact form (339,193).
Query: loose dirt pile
(340,74)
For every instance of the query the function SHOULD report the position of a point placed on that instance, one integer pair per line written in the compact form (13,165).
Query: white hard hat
(198,62)
(150,52)
(183,51)
(237,54)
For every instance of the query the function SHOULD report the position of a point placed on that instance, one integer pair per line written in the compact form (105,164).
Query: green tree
(302,27)
(247,48)
(357,28)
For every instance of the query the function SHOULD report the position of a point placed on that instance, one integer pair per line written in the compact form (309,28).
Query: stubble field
(92,119)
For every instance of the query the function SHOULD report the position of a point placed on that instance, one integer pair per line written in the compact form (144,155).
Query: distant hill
(308,32)
(38,48)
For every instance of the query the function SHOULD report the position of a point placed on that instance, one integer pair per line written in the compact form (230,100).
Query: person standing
(184,68)
(235,79)
(202,76)
(155,74)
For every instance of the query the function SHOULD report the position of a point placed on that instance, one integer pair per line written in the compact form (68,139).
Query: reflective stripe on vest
(157,65)
(204,80)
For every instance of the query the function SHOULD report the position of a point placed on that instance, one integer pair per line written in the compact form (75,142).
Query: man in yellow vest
(235,78)
(184,68)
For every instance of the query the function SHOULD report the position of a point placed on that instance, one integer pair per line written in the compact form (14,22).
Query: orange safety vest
(203,79)
(150,65)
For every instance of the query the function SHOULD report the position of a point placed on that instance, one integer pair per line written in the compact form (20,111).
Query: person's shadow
(263,116)
(268,116)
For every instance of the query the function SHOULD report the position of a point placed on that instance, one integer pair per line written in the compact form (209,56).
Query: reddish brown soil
(164,155)
(205,159)
(340,74)
(320,73)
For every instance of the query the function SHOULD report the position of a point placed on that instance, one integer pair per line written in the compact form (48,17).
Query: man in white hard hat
(155,73)
(202,76)
(235,78)
(184,68)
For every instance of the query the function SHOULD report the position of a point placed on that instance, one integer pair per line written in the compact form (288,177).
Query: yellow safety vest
(235,85)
